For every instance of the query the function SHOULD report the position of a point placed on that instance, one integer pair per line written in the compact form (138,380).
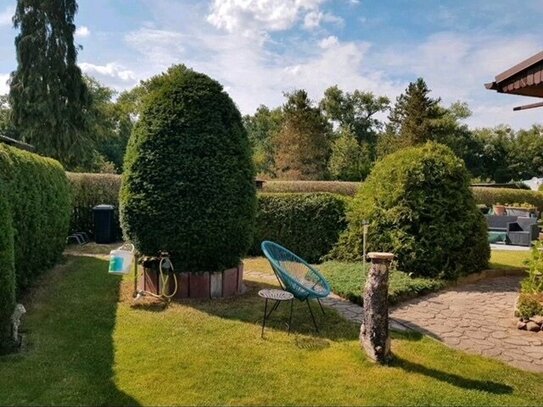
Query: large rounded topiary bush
(420,207)
(188,185)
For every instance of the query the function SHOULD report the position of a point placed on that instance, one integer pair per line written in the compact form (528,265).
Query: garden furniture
(523,232)
(296,276)
(278,296)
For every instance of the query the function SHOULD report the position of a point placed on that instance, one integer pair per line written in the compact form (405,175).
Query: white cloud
(328,42)
(160,47)
(111,70)
(256,17)
(82,31)
(6,15)
(4,88)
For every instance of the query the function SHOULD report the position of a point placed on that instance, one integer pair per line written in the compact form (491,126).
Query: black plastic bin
(104,223)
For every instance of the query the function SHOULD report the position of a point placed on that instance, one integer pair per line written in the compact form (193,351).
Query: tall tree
(356,111)
(350,160)
(413,118)
(6,124)
(48,95)
(262,128)
(302,145)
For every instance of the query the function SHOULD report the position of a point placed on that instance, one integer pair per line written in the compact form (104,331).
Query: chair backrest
(496,221)
(526,222)
(295,274)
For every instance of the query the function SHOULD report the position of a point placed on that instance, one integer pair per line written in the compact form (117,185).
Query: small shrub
(420,208)
(188,185)
(533,284)
(529,305)
(493,196)
(307,224)
(334,187)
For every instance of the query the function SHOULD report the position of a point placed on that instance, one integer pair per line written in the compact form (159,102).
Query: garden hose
(164,279)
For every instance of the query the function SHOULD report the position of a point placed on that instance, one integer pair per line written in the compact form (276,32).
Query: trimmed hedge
(35,204)
(492,196)
(307,224)
(7,273)
(40,200)
(334,187)
(188,186)
(89,190)
(420,208)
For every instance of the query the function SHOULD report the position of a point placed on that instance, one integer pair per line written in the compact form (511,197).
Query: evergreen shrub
(306,224)
(7,274)
(420,208)
(188,186)
(39,199)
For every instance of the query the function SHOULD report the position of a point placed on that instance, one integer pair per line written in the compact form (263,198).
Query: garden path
(476,318)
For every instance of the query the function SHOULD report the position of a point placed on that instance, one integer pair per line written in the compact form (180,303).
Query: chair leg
(264,319)
(322,309)
(312,316)
(290,317)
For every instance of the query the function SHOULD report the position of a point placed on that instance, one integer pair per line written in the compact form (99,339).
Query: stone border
(204,285)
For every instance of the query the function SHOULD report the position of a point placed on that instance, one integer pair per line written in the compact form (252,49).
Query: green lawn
(88,345)
(504,259)
(347,280)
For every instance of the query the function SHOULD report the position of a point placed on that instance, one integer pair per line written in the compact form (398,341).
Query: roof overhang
(525,79)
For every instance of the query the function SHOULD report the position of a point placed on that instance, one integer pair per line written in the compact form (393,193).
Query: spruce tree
(414,115)
(48,95)
(302,145)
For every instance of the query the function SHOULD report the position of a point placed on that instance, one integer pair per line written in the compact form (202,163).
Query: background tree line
(86,125)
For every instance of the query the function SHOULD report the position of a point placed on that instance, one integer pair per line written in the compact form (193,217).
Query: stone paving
(476,318)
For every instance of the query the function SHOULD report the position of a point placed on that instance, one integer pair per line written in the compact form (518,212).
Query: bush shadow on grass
(249,308)
(70,354)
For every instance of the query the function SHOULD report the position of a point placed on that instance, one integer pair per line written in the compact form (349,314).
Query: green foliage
(420,208)
(34,214)
(306,224)
(334,187)
(356,111)
(533,284)
(413,117)
(47,92)
(261,129)
(350,160)
(6,124)
(188,186)
(348,279)
(302,145)
(40,201)
(493,196)
(529,305)
(89,190)
(7,273)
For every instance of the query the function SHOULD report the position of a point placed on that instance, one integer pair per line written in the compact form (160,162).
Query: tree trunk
(374,335)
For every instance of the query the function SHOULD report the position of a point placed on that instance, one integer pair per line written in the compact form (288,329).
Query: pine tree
(302,145)
(413,117)
(47,92)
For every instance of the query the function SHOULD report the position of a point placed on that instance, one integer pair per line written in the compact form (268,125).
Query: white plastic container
(120,260)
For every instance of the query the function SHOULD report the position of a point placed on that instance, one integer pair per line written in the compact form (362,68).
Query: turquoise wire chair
(296,276)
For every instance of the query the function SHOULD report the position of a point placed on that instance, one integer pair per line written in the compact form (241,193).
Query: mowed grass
(348,279)
(89,345)
(508,259)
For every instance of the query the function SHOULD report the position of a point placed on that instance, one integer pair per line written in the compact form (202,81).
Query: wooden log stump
(374,335)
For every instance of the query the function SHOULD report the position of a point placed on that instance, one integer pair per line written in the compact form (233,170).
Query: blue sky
(260,48)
